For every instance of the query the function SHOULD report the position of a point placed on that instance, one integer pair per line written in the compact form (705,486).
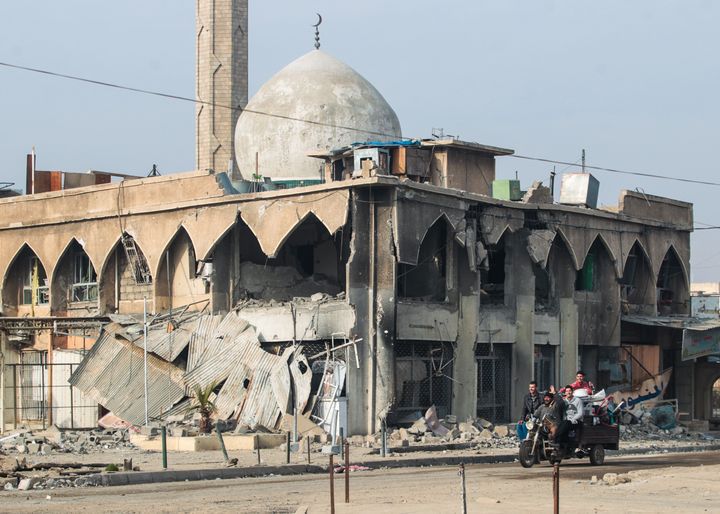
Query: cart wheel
(525,455)
(597,455)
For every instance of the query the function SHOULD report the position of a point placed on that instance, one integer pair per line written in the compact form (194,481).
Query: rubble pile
(479,432)
(642,425)
(55,440)
(428,430)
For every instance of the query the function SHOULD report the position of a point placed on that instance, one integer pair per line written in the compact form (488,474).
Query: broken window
(423,377)
(35,283)
(84,287)
(493,381)
(427,280)
(492,275)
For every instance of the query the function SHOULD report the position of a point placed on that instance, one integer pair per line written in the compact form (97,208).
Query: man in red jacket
(581,383)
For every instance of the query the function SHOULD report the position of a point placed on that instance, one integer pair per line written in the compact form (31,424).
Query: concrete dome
(319,88)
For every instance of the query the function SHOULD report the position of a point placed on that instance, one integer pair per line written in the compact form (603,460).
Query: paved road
(491,488)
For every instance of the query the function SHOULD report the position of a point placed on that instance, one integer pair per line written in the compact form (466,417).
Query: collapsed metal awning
(700,336)
(677,322)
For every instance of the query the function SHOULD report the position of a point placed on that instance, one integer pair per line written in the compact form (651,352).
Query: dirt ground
(663,483)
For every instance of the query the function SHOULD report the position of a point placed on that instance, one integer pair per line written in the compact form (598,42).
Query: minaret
(221,78)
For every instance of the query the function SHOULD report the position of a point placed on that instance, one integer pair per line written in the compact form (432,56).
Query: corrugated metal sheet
(255,384)
(112,375)
(204,332)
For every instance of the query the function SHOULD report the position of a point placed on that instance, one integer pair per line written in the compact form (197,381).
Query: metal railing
(39,394)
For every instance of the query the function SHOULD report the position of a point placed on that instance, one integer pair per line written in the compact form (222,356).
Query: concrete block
(610,478)
(486,434)
(468,427)
(26,484)
(404,435)
(501,431)
(452,434)
(33,448)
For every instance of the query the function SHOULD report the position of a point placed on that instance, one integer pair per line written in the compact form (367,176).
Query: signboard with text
(699,343)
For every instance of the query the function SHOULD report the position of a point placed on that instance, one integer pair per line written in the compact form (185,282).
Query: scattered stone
(419,427)
(610,478)
(501,431)
(594,480)
(468,427)
(483,423)
(452,434)
(486,434)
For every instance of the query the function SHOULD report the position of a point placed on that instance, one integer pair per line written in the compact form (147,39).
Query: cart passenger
(573,414)
(581,383)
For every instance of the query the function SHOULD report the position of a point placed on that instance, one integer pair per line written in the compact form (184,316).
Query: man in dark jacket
(531,402)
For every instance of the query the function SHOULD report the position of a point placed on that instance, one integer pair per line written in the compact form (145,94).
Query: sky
(635,84)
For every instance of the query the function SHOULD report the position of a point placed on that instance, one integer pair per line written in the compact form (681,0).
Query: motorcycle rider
(553,411)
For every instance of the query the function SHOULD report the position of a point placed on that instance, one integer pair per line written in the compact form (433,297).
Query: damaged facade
(446,286)
(458,298)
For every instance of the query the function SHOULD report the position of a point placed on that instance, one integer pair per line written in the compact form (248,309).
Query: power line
(193,100)
(323,124)
(624,172)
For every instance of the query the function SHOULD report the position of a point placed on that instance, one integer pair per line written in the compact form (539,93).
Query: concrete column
(384,315)
(221,30)
(465,366)
(358,382)
(518,268)
(568,351)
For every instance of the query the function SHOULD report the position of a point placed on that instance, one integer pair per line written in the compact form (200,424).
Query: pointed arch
(180,232)
(310,260)
(673,288)
(568,247)
(561,268)
(637,285)
(600,243)
(441,217)
(74,279)
(217,239)
(25,282)
(427,279)
(124,284)
(269,220)
(180,277)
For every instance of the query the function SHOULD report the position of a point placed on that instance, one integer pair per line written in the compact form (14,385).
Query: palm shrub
(202,404)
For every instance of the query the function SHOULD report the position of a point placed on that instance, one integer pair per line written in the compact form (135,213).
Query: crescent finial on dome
(317,31)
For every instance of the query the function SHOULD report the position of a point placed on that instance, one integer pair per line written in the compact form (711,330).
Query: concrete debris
(640,426)
(430,431)
(283,283)
(615,478)
(69,441)
(538,194)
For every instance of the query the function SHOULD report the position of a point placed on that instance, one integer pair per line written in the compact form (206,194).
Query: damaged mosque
(314,234)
